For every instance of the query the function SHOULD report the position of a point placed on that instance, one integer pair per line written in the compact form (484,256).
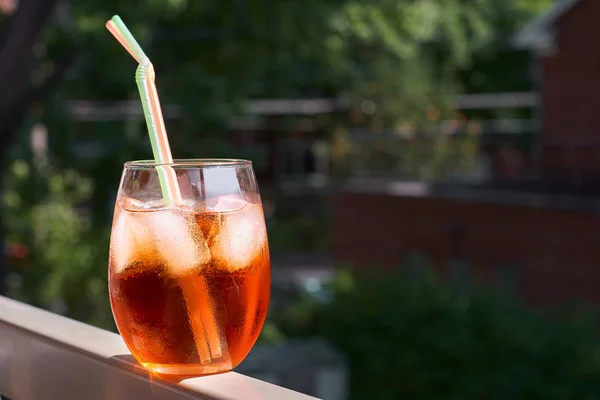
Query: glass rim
(189,163)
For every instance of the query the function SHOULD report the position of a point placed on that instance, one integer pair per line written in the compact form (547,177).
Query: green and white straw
(144,77)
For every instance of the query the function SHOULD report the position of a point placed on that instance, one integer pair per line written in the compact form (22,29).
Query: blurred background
(430,172)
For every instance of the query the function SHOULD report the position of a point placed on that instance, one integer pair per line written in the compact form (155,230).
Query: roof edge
(539,33)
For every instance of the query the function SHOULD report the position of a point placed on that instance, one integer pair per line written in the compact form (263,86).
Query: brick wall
(554,256)
(570,89)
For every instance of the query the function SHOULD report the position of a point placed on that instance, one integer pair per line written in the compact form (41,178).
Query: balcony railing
(47,356)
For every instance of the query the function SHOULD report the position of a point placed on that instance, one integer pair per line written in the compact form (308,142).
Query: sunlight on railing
(47,356)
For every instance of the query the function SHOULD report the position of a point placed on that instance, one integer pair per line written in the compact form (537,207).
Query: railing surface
(47,356)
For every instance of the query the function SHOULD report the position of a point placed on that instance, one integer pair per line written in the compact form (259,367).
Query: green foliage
(270,334)
(409,336)
(58,260)
(407,57)
(211,55)
(431,156)
(298,235)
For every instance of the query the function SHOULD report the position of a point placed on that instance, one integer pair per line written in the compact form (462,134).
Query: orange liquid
(204,321)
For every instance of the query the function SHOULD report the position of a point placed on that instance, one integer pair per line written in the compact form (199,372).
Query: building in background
(537,238)
(568,75)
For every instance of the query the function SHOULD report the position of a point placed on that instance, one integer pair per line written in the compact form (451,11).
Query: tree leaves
(419,338)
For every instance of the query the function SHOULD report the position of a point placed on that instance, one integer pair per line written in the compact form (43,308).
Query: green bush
(298,234)
(58,259)
(409,336)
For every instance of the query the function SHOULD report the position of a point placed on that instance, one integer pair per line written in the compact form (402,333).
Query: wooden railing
(47,356)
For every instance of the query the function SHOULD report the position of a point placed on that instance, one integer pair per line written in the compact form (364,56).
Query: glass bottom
(214,367)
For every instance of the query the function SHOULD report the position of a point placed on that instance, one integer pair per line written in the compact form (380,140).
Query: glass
(189,284)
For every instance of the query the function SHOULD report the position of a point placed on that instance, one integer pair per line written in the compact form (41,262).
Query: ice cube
(215,204)
(241,237)
(131,204)
(128,241)
(178,240)
(169,236)
(226,203)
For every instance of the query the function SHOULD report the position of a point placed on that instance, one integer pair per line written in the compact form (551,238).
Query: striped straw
(144,78)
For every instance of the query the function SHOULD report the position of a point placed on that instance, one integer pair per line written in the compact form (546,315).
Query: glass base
(214,367)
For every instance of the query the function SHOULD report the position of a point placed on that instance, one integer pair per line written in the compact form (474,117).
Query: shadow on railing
(47,356)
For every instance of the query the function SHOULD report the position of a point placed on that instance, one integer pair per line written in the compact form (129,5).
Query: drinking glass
(189,283)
